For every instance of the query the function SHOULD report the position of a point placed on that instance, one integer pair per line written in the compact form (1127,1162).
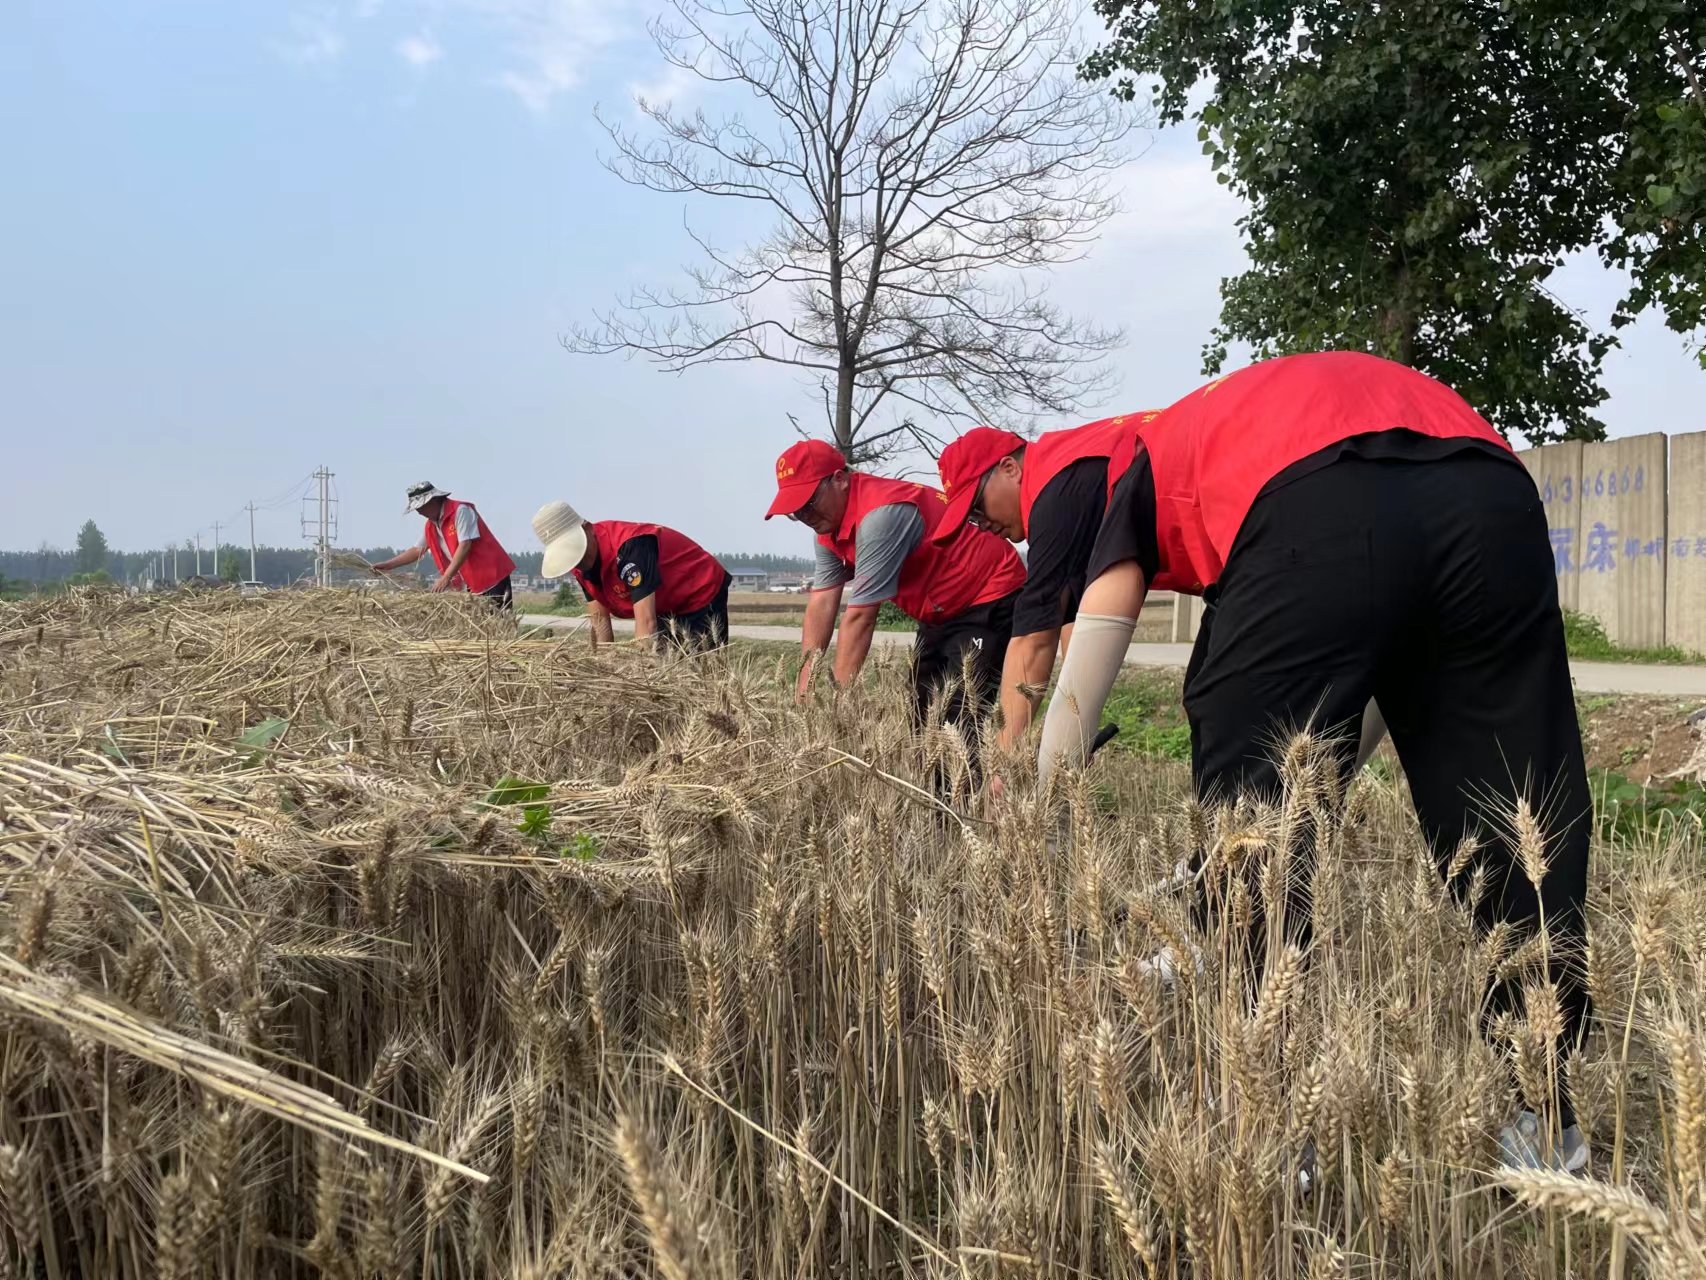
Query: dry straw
(283,994)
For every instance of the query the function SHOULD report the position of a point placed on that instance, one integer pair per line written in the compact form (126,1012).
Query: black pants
(705,628)
(501,595)
(939,661)
(1429,587)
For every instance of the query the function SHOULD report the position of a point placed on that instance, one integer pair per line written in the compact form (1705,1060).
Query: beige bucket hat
(563,533)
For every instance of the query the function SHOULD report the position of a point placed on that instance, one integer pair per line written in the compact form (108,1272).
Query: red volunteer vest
(487,564)
(1054,451)
(1213,451)
(938,581)
(689,577)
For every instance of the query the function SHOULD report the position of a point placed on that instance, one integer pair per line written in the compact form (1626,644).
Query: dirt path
(1591,677)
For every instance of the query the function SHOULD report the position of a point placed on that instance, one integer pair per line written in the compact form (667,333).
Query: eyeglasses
(976,515)
(809,506)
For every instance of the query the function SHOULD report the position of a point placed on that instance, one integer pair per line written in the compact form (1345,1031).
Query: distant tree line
(275,566)
(768,563)
(94,561)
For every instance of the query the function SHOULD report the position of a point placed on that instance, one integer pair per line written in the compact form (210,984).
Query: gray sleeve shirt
(886,537)
(828,571)
(880,547)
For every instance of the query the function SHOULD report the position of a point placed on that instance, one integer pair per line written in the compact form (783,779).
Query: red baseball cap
(799,471)
(963,464)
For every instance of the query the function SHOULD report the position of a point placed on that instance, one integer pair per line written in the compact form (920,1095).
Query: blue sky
(243,239)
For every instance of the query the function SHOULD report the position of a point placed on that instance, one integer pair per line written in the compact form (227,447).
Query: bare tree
(915,158)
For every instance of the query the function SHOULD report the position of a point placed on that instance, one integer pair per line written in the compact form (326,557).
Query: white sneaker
(1166,963)
(1522,1145)
(1306,1170)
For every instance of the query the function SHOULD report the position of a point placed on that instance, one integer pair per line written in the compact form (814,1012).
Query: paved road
(1591,677)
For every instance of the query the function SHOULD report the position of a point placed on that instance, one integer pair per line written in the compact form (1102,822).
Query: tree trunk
(844,412)
(1405,352)
(1399,323)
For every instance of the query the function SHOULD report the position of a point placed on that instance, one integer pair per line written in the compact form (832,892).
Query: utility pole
(198,553)
(322,527)
(216,548)
(253,576)
(174,564)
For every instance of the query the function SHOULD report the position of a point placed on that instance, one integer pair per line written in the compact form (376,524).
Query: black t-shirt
(1128,531)
(1061,535)
(637,567)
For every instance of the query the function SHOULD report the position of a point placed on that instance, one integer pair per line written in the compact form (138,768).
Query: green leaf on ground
(582,847)
(110,747)
(261,736)
(508,791)
(535,821)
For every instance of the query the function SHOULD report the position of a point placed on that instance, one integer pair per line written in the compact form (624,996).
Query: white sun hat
(563,533)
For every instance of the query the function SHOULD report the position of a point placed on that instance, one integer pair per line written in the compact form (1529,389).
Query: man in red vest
(1049,493)
(1359,531)
(876,539)
(466,553)
(667,583)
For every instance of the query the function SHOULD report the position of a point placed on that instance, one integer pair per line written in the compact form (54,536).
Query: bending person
(467,555)
(667,583)
(1049,493)
(876,537)
(1360,532)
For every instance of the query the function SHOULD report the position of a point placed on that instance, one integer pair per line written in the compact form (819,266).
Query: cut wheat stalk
(213,1069)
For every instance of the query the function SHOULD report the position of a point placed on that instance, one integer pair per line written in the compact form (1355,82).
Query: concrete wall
(1620,539)
(1685,571)
(1557,472)
(1187,618)
(1627,522)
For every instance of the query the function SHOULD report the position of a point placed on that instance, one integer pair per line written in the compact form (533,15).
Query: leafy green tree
(230,565)
(1652,57)
(91,549)
(1413,174)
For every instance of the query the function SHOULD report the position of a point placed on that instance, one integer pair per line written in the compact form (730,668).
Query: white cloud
(675,86)
(314,40)
(546,46)
(552,43)
(420,50)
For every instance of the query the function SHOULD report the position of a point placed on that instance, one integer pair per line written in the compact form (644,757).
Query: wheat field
(362,937)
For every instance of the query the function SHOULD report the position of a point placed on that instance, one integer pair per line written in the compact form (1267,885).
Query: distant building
(746,578)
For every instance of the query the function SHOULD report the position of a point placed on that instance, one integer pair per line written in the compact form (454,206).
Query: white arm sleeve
(1098,649)
(1373,730)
